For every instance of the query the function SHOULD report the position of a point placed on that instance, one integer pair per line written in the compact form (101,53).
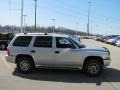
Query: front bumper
(107,61)
(10,59)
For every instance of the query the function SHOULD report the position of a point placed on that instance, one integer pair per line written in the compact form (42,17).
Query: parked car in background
(86,37)
(5,38)
(106,38)
(113,40)
(99,38)
(117,43)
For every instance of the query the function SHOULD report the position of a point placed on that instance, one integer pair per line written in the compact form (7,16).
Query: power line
(81,14)
(100,18)
(12,8)
(91,4)
(22,9)
(62,12)
(67,6)
(69,15)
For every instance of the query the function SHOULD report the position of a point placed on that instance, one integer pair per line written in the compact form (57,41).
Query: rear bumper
(10,59)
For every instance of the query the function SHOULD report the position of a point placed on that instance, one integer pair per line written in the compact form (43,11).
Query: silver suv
(31,50)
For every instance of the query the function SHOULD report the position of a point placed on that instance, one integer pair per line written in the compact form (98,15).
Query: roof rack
(25,33)
(37,33)
(46,33)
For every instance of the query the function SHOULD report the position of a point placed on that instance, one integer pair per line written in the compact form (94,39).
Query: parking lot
(43,79)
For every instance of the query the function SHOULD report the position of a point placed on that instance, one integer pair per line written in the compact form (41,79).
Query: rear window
(23,41)
(43,41)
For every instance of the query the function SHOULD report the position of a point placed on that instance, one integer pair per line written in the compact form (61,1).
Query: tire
(93,67)
(2,46)
(25,65)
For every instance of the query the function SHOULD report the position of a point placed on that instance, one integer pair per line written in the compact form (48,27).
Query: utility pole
(35,13)
(91,27)
(106,26)
(76,27)
(53,21)
(24,22)
(88,24)
(22,8)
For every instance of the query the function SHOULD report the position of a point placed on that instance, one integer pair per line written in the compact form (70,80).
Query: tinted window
(4,36)
(43,41)
(62,42)
(22,41)
(11,36)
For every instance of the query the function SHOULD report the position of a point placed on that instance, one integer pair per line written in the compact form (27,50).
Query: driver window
(62,42)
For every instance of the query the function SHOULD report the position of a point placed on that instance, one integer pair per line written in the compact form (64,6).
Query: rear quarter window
(43,41)
(22,41)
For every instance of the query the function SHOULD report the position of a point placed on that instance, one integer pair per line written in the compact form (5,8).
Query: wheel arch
(93,57)
(24,55)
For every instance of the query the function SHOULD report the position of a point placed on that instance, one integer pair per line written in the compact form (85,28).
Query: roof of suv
(42,34)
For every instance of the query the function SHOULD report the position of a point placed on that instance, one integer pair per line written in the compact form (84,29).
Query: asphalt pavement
(44,79)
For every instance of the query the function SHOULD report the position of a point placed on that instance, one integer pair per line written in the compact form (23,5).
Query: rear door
(43,51)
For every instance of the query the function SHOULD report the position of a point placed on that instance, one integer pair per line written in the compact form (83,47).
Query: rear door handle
(57,52)
(32,51)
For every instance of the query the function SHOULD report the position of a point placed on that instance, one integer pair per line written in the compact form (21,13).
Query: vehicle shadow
(70,76)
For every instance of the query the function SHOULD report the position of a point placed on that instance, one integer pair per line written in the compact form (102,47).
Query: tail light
(8,52)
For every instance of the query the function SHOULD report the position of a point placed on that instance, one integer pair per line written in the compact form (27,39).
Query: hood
(96,48)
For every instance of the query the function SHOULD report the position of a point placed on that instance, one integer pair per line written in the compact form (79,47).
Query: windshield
(116,37)
(77,43)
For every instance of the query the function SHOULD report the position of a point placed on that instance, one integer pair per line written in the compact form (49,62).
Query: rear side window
(43,41)
(22,41)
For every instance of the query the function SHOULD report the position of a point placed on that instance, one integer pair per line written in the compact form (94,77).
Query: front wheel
(93,67)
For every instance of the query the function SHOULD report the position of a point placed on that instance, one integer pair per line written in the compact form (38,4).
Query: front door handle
(32,51)
(57,52)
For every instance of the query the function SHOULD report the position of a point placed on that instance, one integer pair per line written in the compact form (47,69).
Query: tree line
(31,29)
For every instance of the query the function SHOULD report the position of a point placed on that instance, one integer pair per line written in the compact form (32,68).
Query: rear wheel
(25,65)
(93,67)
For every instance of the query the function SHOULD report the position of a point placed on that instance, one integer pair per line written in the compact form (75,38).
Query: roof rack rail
(25,33)
(46,33)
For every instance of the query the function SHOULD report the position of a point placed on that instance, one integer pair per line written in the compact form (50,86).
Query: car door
(66,53)
(43,51)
